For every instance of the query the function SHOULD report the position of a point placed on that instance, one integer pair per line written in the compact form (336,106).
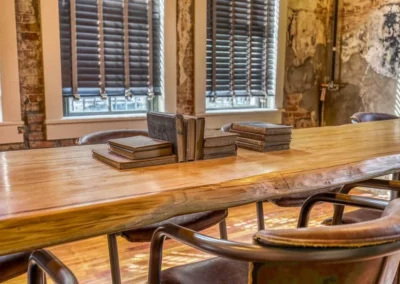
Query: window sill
(75,127)
(215,119)
(239,111)
(9,132)
(96,118)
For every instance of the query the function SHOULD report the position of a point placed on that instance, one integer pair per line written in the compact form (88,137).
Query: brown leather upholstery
(214,271)
(195,222)
(13,265)
(103,136)
(290,256)
(357,216)
(381,231)
(361,117)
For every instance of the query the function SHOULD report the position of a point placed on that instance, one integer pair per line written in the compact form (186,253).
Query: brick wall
(31,78)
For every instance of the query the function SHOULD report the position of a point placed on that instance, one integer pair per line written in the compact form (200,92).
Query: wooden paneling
(51,196)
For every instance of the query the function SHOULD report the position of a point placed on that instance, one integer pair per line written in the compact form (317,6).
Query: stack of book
(218,144)
(262,137)
(136,152)
(186,133)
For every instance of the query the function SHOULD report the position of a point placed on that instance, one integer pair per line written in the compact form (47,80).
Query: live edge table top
(52,196)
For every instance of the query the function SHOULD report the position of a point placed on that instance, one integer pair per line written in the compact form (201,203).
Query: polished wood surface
(51,196)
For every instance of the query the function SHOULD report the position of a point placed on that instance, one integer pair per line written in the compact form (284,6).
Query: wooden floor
(89,259)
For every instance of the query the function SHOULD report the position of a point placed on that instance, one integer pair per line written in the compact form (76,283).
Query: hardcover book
(262,128)
(263,137)
(168,127)
(262,143)
(142,154)
(217,138)
(263,149)
(222,149)
(220,155)
(194,129)
(121,163)
(190,132)
(139,143)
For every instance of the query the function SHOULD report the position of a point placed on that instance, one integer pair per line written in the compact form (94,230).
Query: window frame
(10,116)
(225,116)
(59,126)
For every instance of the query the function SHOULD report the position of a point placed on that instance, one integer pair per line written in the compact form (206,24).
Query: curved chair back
(103,136)
(374,248)
(361,117)
(360,253)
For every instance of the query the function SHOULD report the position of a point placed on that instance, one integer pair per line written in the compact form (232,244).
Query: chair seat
(13,265)
(213,271)
(357,216)
(195,221)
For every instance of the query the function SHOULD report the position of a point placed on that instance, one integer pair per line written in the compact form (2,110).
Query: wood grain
(52,196)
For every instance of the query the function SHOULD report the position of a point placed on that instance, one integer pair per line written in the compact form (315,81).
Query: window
(242,42)
(111,56)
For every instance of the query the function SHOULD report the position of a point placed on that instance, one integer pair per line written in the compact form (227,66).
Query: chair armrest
(373,183)
(42,261)
(338,199)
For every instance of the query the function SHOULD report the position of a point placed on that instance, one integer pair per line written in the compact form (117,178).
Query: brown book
(263,137)
(139,143)
(220,155)
(121,163)
(200,127)
(222,149)
(142,154)
(263,149)
(262,128)
(190,133)
(262,143)
(168,127)
(218,138)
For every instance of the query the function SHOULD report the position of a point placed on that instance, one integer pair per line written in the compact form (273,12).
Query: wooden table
(52,196)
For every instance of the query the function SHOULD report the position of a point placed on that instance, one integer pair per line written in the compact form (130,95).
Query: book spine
(250,147)
(217,150)
(149,163)
(263,143)
(249,128)
(254,136)
(180,137)
(220,155)
(200,128)
(251,141)
(220,141)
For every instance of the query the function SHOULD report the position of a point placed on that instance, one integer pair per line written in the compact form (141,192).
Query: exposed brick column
(31,72)
(185,56)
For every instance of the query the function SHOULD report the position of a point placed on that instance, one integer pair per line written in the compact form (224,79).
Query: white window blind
(111,55)
(242,45)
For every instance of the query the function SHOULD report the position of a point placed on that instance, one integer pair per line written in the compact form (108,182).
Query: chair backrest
(103,136)
(361,117)
(367,252)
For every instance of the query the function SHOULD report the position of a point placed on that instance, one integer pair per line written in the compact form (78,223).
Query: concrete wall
(368,64)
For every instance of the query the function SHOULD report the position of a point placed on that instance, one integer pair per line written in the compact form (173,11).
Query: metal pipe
(334,39)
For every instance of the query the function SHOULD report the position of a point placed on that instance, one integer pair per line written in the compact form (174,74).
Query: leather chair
(13,265)
(349,254)
(43,263)
(361,117)
(37,264)
(196,221)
